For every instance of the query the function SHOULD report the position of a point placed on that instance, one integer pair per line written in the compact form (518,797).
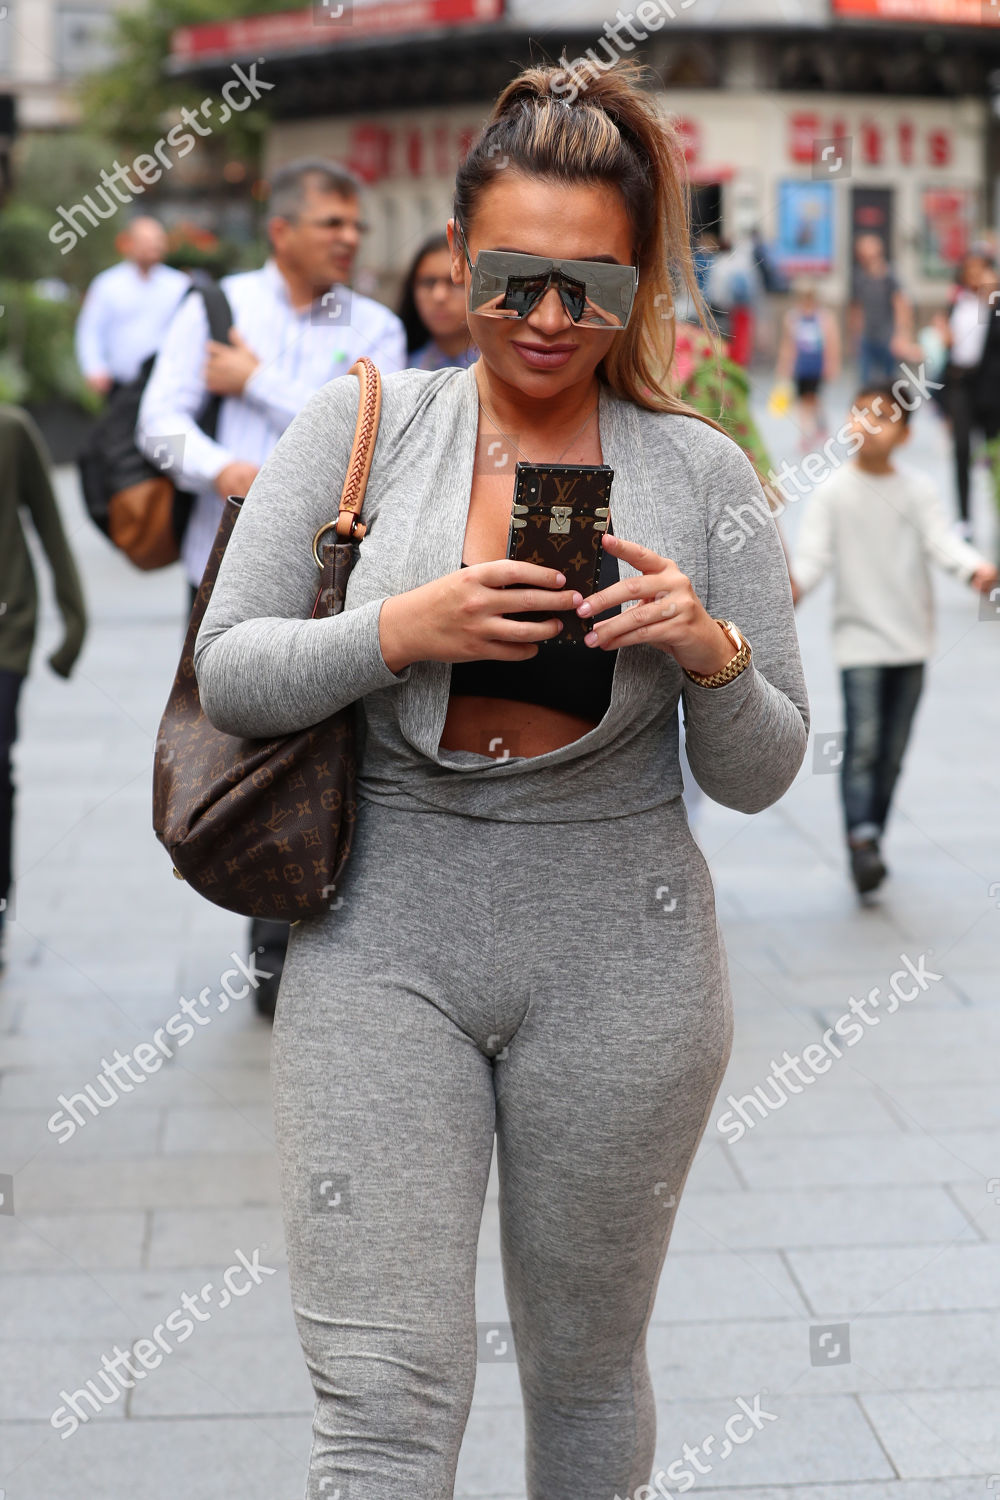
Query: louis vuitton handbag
(264,827)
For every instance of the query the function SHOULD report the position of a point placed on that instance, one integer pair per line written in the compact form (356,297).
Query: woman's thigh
(384,1119)
(605,1089)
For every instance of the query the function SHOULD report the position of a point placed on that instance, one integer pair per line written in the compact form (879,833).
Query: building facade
(45,46)
(856,116)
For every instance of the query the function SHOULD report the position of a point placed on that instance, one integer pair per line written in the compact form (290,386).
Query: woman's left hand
(671,617)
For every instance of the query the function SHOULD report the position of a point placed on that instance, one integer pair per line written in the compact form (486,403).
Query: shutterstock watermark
(905,984)
(697,1459)
(118,1372)
(648,16)
(117,188)
(793,481)
(148,1057)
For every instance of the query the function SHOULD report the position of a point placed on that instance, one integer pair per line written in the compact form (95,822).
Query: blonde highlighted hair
(599,125)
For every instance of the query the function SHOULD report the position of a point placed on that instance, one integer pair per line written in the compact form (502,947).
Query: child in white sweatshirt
(878,528)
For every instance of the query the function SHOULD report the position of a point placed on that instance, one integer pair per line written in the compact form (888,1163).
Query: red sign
(873,142)
(303,30)
(944,12)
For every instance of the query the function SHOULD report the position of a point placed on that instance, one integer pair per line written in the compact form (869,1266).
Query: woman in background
(432,310)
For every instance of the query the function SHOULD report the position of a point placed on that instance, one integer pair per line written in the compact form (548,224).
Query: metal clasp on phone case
(601,525)
(518,510)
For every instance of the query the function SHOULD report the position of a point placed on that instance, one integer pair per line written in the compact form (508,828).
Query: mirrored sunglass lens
(522,293)
(574,296)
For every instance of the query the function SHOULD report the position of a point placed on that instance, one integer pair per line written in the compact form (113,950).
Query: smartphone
(559,515)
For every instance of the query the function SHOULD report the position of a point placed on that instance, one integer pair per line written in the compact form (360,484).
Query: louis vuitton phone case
(559,515)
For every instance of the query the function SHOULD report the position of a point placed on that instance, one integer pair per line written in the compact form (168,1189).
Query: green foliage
(53,170)
(36,348)
(133,94)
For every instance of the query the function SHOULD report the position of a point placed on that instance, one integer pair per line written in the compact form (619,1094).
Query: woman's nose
(549,315)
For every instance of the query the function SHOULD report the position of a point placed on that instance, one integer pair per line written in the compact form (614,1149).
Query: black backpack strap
(220,314)
(220,320)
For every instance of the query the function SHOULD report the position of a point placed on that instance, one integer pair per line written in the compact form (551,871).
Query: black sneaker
(867,869)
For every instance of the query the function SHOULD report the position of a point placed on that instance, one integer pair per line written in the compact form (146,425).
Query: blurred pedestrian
(808,355)
(296,325)
(880,315)
(432,310)
(732,288)
(972,374)
(26,490)
(878,528)
(128,307)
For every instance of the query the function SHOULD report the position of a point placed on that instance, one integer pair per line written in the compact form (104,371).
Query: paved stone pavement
(860,1222)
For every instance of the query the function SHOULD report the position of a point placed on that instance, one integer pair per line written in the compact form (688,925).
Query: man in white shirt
(296,326)
(878,529)
(127,308)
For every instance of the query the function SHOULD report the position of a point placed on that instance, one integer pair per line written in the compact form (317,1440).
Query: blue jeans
(879,704)
(879,365)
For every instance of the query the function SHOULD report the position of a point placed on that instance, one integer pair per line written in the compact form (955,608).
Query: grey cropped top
(265,668)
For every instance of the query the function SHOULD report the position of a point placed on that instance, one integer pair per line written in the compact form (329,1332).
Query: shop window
(6,38)
(692,67)
(83,36)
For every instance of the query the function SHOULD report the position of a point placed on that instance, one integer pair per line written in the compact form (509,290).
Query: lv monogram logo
(565,484)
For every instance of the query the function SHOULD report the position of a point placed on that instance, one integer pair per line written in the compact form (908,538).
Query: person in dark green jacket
(25,487)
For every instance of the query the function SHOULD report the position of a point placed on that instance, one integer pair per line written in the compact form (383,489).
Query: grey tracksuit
(521,946)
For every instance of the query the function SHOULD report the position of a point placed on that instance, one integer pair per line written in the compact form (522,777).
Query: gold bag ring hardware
(355,534)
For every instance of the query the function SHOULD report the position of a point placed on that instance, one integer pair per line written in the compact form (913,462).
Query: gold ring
(327,526)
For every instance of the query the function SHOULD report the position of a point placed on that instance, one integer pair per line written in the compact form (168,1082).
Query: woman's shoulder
(679,434)
(334,407)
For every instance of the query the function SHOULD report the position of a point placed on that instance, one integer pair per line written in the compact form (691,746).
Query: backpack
(131,500)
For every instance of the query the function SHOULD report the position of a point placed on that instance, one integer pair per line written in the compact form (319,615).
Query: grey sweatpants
(562,985)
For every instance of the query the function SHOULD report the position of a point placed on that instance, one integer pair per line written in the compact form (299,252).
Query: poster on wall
(945,221)
(805,226)
(944,12)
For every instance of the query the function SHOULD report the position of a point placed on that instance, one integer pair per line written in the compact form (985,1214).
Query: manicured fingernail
(584,610)
(590,639)
(577,597)
(560,579)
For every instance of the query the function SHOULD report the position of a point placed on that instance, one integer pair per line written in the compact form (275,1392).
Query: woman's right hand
(460,617)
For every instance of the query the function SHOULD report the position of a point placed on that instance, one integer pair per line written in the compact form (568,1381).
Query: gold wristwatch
(734,667)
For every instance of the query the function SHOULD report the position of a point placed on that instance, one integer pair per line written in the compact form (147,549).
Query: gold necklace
(484,408)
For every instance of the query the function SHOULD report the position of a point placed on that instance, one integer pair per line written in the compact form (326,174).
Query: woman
(432,309)
(525,941)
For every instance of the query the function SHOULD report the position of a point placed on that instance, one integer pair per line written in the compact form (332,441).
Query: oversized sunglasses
(595,294)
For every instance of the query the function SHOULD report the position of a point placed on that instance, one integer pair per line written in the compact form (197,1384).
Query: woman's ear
(457,257)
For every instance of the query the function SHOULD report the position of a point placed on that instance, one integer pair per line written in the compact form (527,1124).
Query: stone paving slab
(818,1217)
(63,1242)
(902,1352)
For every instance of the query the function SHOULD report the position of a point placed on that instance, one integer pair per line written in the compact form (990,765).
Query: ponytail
(591,124)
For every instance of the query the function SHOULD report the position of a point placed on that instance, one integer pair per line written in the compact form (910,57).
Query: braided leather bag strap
(347,525)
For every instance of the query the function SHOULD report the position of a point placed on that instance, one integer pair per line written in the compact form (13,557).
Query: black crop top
(573,678)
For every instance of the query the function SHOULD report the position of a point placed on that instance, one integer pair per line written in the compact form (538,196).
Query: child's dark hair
(888,396)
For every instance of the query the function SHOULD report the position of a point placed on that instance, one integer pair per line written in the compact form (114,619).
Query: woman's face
(972,272)
(440,303)
(543,353)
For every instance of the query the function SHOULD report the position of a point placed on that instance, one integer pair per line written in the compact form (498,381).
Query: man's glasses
(595,294)
(334,223)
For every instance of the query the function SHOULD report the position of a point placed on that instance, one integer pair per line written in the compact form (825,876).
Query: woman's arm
(263,666)
(747,739)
